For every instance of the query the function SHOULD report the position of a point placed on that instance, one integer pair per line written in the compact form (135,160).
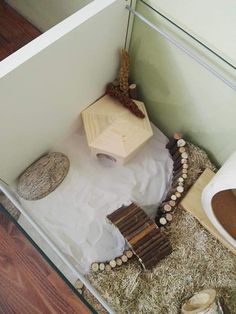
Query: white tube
(225,179)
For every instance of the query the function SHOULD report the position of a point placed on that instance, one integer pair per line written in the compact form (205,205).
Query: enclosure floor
(15,31)
(27,283)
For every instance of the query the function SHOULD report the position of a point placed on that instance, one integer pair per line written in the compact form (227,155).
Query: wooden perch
(119,89)
(125,100)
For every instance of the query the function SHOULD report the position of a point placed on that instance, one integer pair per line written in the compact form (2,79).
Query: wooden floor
(15,31)
(28,284)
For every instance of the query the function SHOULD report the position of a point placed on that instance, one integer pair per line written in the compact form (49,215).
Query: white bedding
(74,215)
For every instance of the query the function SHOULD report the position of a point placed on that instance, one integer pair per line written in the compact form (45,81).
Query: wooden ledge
(192,204)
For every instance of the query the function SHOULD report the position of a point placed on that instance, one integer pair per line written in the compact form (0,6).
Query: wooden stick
(130,221)
(79,285)
(184,155)
(181,143)
(172,203)
(173,197)
(182,149)
(179,152)
(149,243)
(158,243)
(119,261)
(173,140)
(176,155)
(139,227)
(153,260)
(169,217)
(102,266)
(135,231)
(117,214)
(179,172)
(165,246)
(108,267)
(177,181)
(95,267)
(122,213)
(140,245)
(173,149)
(163,221)
(124,258)
(151,247)
(113,216)
(133,91)
(112,263)
(167,208)
(140,235)
(129,253)
(176,184)
(180,189)
(177,166)
(178,194)
(173,191)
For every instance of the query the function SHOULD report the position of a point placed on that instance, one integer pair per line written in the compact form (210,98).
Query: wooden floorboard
(28,284)
(15,31)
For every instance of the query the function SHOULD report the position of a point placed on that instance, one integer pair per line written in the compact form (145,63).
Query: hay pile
(198,261)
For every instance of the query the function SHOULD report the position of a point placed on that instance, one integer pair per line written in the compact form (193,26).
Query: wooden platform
(15,31)
(142,234)
(192,204)
(28,284)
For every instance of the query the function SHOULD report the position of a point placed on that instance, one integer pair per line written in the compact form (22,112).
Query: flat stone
(43,176)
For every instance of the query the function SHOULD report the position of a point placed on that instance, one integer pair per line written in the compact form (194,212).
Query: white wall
(211,21)
(46,84)
(46,13)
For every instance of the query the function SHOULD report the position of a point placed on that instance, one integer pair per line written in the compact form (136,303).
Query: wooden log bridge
(142,234)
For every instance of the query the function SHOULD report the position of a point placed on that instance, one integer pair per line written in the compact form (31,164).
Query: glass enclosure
(208,34)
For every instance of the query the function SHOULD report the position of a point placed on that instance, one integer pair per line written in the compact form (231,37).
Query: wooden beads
(108,266)
(112,263)
(178,150)
(119,261)
(129,254)
(95,267)
(79,285)
(102,266)
(124,258)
